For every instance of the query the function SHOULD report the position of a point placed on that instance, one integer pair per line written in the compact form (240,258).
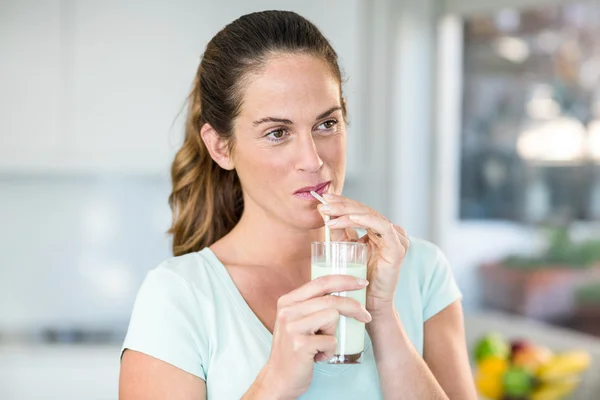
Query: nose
(307,157)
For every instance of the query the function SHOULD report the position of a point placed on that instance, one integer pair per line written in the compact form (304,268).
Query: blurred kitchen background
(475,125)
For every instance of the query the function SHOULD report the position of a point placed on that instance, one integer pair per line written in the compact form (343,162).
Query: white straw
(318,196)
(327,229)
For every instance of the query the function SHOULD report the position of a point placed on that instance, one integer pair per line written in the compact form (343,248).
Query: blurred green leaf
(588,294)
(561,252)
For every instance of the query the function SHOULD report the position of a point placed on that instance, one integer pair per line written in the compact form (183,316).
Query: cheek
(261,167)
(333,152)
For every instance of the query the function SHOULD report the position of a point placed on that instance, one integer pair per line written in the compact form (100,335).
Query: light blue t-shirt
(189,313)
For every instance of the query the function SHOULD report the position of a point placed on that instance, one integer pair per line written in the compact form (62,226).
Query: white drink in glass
(341,258)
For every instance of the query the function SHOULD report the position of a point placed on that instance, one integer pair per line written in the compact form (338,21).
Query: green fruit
(518,382)
(491,345)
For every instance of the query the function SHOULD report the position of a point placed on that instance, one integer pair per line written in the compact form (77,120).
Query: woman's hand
(304,333)
(387,243)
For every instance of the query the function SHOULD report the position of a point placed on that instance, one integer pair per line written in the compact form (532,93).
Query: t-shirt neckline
(237,298)
(261,330)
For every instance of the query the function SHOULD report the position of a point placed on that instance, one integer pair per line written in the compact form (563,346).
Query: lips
(316,188)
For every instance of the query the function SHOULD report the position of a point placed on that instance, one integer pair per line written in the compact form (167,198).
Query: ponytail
(206,200)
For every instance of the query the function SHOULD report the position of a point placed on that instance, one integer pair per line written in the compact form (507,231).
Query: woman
(235,314)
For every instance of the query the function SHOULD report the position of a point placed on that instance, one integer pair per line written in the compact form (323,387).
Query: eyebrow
(288,122)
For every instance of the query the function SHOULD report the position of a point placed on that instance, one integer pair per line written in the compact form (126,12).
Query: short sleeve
(440,288)
(166,322)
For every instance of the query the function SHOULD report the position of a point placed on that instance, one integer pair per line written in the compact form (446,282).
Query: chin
(308,221)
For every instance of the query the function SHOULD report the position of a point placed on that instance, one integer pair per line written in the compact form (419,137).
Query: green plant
(561,251)
(588,294)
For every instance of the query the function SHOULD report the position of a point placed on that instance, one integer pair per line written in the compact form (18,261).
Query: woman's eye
(276,135)
(329,124)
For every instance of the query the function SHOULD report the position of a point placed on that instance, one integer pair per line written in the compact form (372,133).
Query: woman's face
(290,138)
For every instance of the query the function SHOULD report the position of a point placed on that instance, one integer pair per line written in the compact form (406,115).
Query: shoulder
(422,257)
(426,265)
(182,267)
(168,316)
(192,269)
(431,271)
(190,280)
(423,249)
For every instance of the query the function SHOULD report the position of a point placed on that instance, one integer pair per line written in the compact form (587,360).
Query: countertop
(59,371)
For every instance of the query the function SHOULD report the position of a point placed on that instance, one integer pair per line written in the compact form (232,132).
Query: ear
(217,147)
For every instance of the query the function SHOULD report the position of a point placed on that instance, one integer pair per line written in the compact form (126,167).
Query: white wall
(75,248)
(411,163)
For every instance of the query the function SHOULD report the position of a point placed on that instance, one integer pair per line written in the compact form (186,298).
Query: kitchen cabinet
(96,86)
(132,67)
(102,86)
(66,372)
(30,80)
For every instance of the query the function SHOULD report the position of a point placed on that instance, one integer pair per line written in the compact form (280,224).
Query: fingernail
(331,222)
(328,196)
(362,282)
(353,217)
(325,208)
(368,316)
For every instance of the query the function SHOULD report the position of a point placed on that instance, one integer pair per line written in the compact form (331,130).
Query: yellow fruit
(492,366)
(556,390)
(489,380)
(490,387)
(564,365)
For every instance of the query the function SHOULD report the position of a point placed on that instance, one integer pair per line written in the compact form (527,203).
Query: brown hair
(206,200)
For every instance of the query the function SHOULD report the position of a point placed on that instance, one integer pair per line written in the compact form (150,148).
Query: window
(530,141)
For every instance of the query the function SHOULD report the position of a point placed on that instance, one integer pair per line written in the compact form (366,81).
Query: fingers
(322,345)
(322,357)
(347,235)
(401,231)
(351,235)
(405,241)
(320,287)
(341,207)
(310,343)
(335,198)
(343,305)
(345,207)
(376,224)
(380,233)
(324,321)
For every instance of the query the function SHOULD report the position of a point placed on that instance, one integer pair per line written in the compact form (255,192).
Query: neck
(262,239)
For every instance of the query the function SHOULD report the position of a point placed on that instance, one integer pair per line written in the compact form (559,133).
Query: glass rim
(357,244)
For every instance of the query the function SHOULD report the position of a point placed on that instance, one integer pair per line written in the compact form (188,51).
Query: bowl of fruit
(519,369)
